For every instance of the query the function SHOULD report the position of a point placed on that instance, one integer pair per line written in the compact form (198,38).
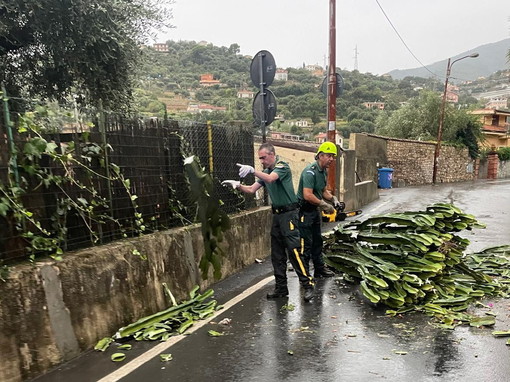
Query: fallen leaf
(288,307)
(482,321)
(165,357)
(225,321)
(501,333)
(118,357)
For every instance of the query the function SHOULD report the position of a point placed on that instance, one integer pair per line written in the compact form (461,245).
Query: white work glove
(245,169)
(326,207)
(233,183)
(337,204)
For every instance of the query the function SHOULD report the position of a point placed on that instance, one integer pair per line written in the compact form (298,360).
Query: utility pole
(441,115)
(332,92)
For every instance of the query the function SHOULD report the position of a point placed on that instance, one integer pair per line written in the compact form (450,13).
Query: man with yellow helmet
(312,195)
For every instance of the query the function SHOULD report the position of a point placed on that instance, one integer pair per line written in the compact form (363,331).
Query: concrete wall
(504,169)
(482,168)
(370,154)
(366,192)
(52,311)
(350,190)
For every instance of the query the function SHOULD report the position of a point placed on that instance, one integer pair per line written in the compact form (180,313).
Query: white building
(497,103)
(245,94)
(281,75)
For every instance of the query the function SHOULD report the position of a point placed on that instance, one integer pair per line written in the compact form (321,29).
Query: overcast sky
(297,31)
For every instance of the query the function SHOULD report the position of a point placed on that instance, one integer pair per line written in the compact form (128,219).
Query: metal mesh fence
(77,197)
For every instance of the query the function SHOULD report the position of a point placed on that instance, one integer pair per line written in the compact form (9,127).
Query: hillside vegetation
(171,81)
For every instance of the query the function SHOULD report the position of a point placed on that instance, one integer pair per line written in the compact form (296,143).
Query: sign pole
(263,95)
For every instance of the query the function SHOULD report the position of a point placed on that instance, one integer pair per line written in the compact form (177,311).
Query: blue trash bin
(385,177)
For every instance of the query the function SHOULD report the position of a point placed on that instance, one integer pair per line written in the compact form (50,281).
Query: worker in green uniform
(276,177)
(312,194)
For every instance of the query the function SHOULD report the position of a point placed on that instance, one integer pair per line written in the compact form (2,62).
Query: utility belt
(287,208)
(305,206)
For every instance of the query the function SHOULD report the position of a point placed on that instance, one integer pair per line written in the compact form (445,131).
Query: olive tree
(92,48)
(419,119)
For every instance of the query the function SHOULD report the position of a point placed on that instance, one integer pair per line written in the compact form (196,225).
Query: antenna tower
(356,58)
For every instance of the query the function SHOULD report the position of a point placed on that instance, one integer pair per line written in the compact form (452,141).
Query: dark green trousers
(285,239)
(310,229)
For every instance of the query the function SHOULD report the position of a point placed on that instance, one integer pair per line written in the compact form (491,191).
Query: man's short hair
(268,147)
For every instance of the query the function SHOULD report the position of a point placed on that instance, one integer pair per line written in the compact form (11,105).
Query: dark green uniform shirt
(281,191)
(312,177)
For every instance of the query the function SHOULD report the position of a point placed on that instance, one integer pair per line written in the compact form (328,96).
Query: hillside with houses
(200,81)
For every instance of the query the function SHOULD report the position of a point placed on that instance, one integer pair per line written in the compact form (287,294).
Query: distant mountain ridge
(493,57)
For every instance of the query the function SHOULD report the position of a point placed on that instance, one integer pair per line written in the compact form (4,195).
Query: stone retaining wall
(413,161)
(52,311)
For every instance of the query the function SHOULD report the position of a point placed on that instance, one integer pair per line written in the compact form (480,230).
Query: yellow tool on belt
(338,214)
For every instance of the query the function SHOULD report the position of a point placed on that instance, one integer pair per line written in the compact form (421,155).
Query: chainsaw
(338,214)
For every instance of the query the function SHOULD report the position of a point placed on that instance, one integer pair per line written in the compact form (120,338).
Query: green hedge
(504,153)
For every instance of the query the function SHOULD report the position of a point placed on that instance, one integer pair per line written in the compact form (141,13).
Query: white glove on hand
(336,203)
(233,183)
(326,207)
(245,169)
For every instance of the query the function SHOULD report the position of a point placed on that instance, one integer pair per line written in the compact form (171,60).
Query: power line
(403,42)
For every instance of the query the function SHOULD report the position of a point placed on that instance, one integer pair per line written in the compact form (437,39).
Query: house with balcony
(285,136)
(323,137)
(160,47)
(316,70)
(495,126)
(497,103)
(281,75)
(299,123)
(245,94)
(199,108)
(452,93)
(208,80)
(374,105)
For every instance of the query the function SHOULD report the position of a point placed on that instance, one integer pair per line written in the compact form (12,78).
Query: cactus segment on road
(417,261)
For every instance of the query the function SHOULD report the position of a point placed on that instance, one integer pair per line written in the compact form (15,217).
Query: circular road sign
(262,69)
(339,85)
(264,107)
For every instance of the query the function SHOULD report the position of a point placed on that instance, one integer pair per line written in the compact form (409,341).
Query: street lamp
(441,117)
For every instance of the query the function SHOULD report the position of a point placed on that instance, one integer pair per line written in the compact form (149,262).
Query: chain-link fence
(105,177)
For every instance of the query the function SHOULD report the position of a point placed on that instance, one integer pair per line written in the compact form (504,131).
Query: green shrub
(504,153)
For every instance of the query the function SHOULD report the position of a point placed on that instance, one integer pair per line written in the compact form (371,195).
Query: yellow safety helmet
(327,148)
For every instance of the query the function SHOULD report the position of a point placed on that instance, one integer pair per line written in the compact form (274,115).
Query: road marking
(379,206)
(158,349)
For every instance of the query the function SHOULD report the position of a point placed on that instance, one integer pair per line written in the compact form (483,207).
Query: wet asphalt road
(338,336)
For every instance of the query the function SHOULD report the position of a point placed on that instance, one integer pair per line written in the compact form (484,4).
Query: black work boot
(308,295)
(323,272)
(278,293)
